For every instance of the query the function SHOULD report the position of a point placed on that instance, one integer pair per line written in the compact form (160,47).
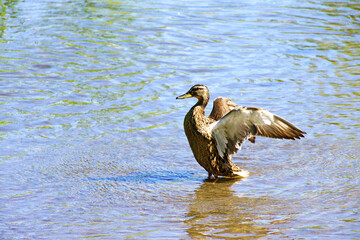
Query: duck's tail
(242,173)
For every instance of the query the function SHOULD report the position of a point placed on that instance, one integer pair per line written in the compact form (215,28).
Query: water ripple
(91,135)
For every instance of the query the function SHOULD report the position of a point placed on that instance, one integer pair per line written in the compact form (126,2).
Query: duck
(214,139)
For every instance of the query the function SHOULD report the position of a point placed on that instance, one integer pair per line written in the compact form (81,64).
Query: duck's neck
(201,104)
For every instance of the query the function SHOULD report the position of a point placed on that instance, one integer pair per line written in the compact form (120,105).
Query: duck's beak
(186,95)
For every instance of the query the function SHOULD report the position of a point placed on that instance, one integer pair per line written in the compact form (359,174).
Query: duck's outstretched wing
(243,122)
(221,107)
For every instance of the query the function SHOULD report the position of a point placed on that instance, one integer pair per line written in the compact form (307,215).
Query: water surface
(91,136)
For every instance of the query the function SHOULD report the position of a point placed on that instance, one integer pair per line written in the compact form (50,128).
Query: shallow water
(91,136)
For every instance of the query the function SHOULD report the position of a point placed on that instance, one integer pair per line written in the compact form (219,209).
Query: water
(91,137)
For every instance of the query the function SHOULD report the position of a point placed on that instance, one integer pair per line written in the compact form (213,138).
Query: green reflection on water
(147,128)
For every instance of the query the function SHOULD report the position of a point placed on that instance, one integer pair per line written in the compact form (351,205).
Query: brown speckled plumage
(202,132)
(203,144)
(201,141)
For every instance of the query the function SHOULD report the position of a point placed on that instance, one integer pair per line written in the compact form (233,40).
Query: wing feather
(243,123)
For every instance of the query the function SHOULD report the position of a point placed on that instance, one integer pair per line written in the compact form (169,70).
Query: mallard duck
(214,139)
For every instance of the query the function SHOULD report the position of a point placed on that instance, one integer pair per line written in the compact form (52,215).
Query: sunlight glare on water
(91,136)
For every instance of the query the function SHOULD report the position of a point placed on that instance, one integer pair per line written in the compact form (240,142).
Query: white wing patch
(220,137)
(261,116)
(233,129)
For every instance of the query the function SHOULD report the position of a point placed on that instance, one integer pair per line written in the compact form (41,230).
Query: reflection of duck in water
(214,139)
(216,212)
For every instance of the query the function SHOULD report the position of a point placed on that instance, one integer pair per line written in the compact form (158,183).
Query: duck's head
(199,91)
